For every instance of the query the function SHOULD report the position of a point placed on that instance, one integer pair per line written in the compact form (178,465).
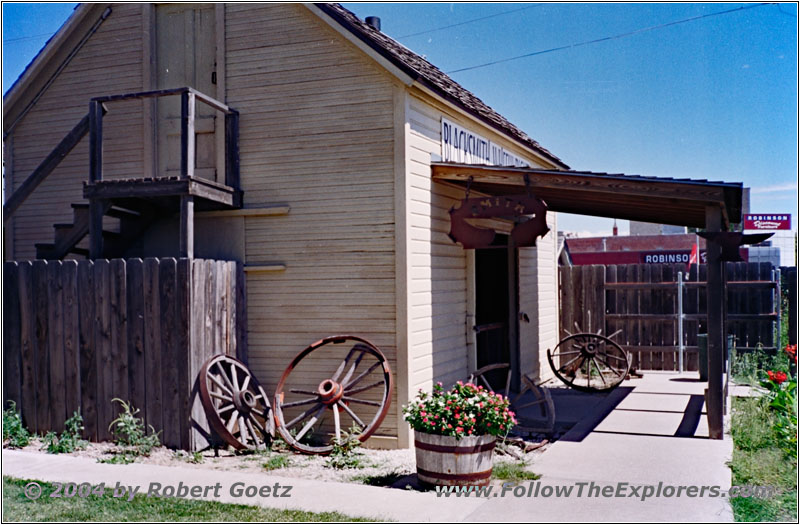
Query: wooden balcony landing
(165,192)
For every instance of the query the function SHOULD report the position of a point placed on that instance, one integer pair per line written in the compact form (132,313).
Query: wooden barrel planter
(444,460)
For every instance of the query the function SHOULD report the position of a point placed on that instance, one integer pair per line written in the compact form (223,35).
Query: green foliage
(346,451)
(130,435)
(760,459)
(465,410)
(18,508)
(15,435)
(277,461)
(189,457)
(69,440)
(782,401)
(512,471)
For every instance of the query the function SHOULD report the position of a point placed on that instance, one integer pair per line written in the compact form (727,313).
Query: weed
(189,457)
(512,471)
(277,461)
(15,435)
(130,435)
(346,452)
(69,440)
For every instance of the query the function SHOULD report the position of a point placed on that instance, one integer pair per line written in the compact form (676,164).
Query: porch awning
(662,200)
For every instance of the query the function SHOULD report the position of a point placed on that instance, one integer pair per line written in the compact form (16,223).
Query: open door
(186,50)
(494,311)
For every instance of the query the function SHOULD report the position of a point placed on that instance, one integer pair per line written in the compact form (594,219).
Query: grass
(17,508)
(277,461)
(758,460)
(512,471)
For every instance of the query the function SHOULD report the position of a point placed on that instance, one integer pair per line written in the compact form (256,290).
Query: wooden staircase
(131,224)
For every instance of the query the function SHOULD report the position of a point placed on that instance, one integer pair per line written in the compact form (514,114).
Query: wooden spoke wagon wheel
(532,405)
(236,406)
(336,384)
(589,362)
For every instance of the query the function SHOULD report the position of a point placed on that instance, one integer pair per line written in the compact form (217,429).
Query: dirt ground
(375,467)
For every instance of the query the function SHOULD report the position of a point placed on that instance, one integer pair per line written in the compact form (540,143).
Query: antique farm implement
(587,362)
(340,384)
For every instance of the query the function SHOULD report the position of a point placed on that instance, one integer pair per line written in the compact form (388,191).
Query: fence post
(680,321)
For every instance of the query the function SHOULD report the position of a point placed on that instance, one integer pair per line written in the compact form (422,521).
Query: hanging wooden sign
(508,207)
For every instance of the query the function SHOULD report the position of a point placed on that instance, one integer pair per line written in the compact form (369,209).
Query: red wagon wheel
(532,405)
(236,406)
(589,362)
(335,381)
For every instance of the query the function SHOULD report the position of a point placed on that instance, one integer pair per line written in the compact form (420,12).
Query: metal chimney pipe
(373,21)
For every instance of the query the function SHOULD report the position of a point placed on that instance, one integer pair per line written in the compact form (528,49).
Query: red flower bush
(777,376)
(791,351)
(464,410)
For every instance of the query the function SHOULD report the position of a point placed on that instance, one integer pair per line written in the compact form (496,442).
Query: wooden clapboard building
(302,150)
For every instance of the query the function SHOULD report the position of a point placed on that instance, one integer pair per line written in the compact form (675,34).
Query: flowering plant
(464,410)
(791,351)
(777,376)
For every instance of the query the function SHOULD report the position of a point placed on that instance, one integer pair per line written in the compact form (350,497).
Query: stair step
(119,213)
(80,251)
(44,250)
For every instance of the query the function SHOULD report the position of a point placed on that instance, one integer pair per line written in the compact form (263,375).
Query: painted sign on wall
(467,147)
(767,221)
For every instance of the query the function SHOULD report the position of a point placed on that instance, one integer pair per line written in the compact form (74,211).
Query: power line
(25,37)
(468,21)
(605,39)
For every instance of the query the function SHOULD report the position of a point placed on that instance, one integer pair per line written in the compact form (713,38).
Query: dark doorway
(492,308)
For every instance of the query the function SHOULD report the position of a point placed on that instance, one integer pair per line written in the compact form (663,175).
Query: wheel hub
(245,401)
(330,391)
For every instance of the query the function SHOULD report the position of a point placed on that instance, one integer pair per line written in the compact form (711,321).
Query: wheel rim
(589,362)
(237,408)
(538,400)
(312,407)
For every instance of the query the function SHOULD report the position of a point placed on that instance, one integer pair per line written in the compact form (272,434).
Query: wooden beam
(46,167)
(232,149)
(615,184)
(95,141)
(188,108)
(97,208)
(187,227)
(715,299)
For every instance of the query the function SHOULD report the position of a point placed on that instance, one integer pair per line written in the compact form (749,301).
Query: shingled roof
(431,76)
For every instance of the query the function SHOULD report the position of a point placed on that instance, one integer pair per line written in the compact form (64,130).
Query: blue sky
(712,98)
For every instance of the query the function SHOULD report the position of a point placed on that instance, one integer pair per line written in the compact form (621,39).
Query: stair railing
(45,168)
(189,98)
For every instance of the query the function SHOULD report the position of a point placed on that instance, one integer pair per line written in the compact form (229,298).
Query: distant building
(633,249)
(649,228)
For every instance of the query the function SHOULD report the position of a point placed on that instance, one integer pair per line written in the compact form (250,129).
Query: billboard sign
(767,221)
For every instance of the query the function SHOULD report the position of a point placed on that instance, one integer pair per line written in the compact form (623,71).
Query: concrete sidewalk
(630,440)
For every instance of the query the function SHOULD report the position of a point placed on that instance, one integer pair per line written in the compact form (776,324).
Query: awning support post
(715,299)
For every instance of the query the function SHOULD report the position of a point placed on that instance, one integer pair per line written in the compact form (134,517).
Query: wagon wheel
(589,362)
(236,406)
(532,400)
(341,378)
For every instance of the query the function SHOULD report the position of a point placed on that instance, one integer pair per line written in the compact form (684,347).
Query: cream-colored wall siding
(440,320)
(109,63)
(538,298)
(316,133)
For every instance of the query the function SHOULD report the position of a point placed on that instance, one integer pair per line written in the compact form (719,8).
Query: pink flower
(449,425)
(425,420)
(459,429)
(469,432)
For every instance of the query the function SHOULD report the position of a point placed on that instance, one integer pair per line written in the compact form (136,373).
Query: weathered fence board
(641,301)
(78,334)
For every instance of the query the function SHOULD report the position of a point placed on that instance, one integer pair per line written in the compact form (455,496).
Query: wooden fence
(78,334)
(641,300)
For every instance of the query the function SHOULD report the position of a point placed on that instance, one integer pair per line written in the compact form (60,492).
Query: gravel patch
(384,464)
